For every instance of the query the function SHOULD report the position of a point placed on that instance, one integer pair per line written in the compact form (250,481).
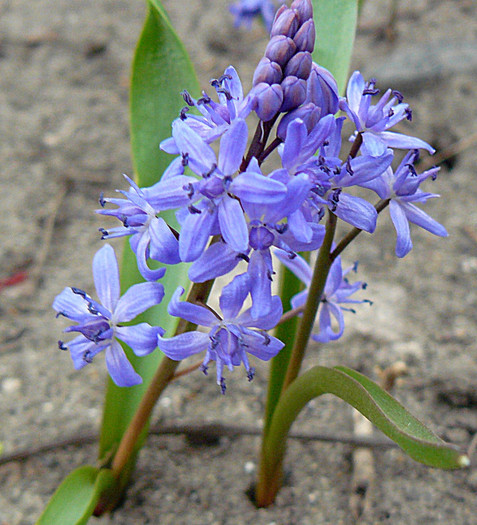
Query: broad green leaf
(373,402)
(335,23)
(161,70)
(75,499)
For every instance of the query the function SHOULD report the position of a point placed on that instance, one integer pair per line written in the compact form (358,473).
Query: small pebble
(11,384)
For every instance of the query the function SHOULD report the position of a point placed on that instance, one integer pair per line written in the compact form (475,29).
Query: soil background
(64,69)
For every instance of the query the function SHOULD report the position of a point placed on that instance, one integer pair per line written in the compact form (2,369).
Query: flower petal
(265,322)
(71,305)
(183,345)
(164,246)
(119,367)
(419,217)
(233,226)
(232,147)
(106,276)
(398,140)
(193,313)
(218,259)
(137,299)
(142,337)
(403,242)
(258,189)
(200,155)
(233,295)
(195,233)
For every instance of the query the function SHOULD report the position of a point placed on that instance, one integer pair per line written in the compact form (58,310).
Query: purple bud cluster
(234,215)
(279,82)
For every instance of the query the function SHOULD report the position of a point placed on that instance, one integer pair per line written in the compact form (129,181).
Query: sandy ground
(64,87)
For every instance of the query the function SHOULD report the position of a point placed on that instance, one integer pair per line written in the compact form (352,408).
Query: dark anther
(412,170)
(408,114)
(102,202)
(364,286)
(368,301)
(209,173)
(214,82)
(337,170)
(434,175)
(243,256)
(193,209)
(205,99)
(92,309)
(104,233)
(281,228)
(77,291)
(225,77)
(390,112)
(187,98)
(185,159)
(214,341)
(270,275)
(204,369)
(291,255)
(335,198)
(225,92)
(183,113)
(87,357)
(251,374)
(227,180)
(349,169)
(267,339)
(222,385)
(189,189)
(62,314)
(326,143)
(355,266)
(62,346)
(398,95)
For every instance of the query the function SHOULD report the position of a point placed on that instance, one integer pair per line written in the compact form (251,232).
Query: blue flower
(374,121)
(214,119)
(101,324)
(151,237)
(230,338)
(402,188)
(336,292)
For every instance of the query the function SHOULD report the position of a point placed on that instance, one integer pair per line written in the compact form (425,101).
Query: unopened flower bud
(294,93)
(268,72)
(322,90)
(309,113)
(304,10)
(267,100)
(305,37)
(285,23)
(299,65)
(280,49)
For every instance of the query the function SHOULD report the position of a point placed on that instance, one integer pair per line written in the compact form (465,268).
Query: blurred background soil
(64,69)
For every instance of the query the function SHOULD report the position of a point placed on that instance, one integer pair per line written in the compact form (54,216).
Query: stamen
(267,338)
(281,228)
(87,357)
(209,173)
(398,95)
(193,209)
(222,385)
(82,293)
(185,159)
(102,202)
(270,275)
(187,98)
(204,369)
(62,346)
(408,112)
(189,189)
(412,170)
(104,233)
(251,373)
(243,256)
(183,113)
(349,169)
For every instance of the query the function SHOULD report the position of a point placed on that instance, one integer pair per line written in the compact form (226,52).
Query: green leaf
(161,70)
(373,402)
(335,23)
(75,499)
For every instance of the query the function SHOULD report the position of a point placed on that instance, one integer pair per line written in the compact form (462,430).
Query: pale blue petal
(141,338)
(140,246)
(233,295)
(193,313)
(265,322)
(71,305)
(106,276)
(373,144)
(357,212)
(298,265)
(261,346)
(164,247)
(398,140)
(233,226)
(257,189)
(195,233)
(403,242)
(119,368)
(295,138)
(259,269)
(419,217)
(170,193)
(232,147)
(201,157)
(137,299)
(217,260)
(183,345)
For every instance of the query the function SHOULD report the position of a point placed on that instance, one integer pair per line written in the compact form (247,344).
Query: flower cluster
(231,210)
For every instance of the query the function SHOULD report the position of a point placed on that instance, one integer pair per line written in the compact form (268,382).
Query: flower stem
(317,285)
(164,374)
